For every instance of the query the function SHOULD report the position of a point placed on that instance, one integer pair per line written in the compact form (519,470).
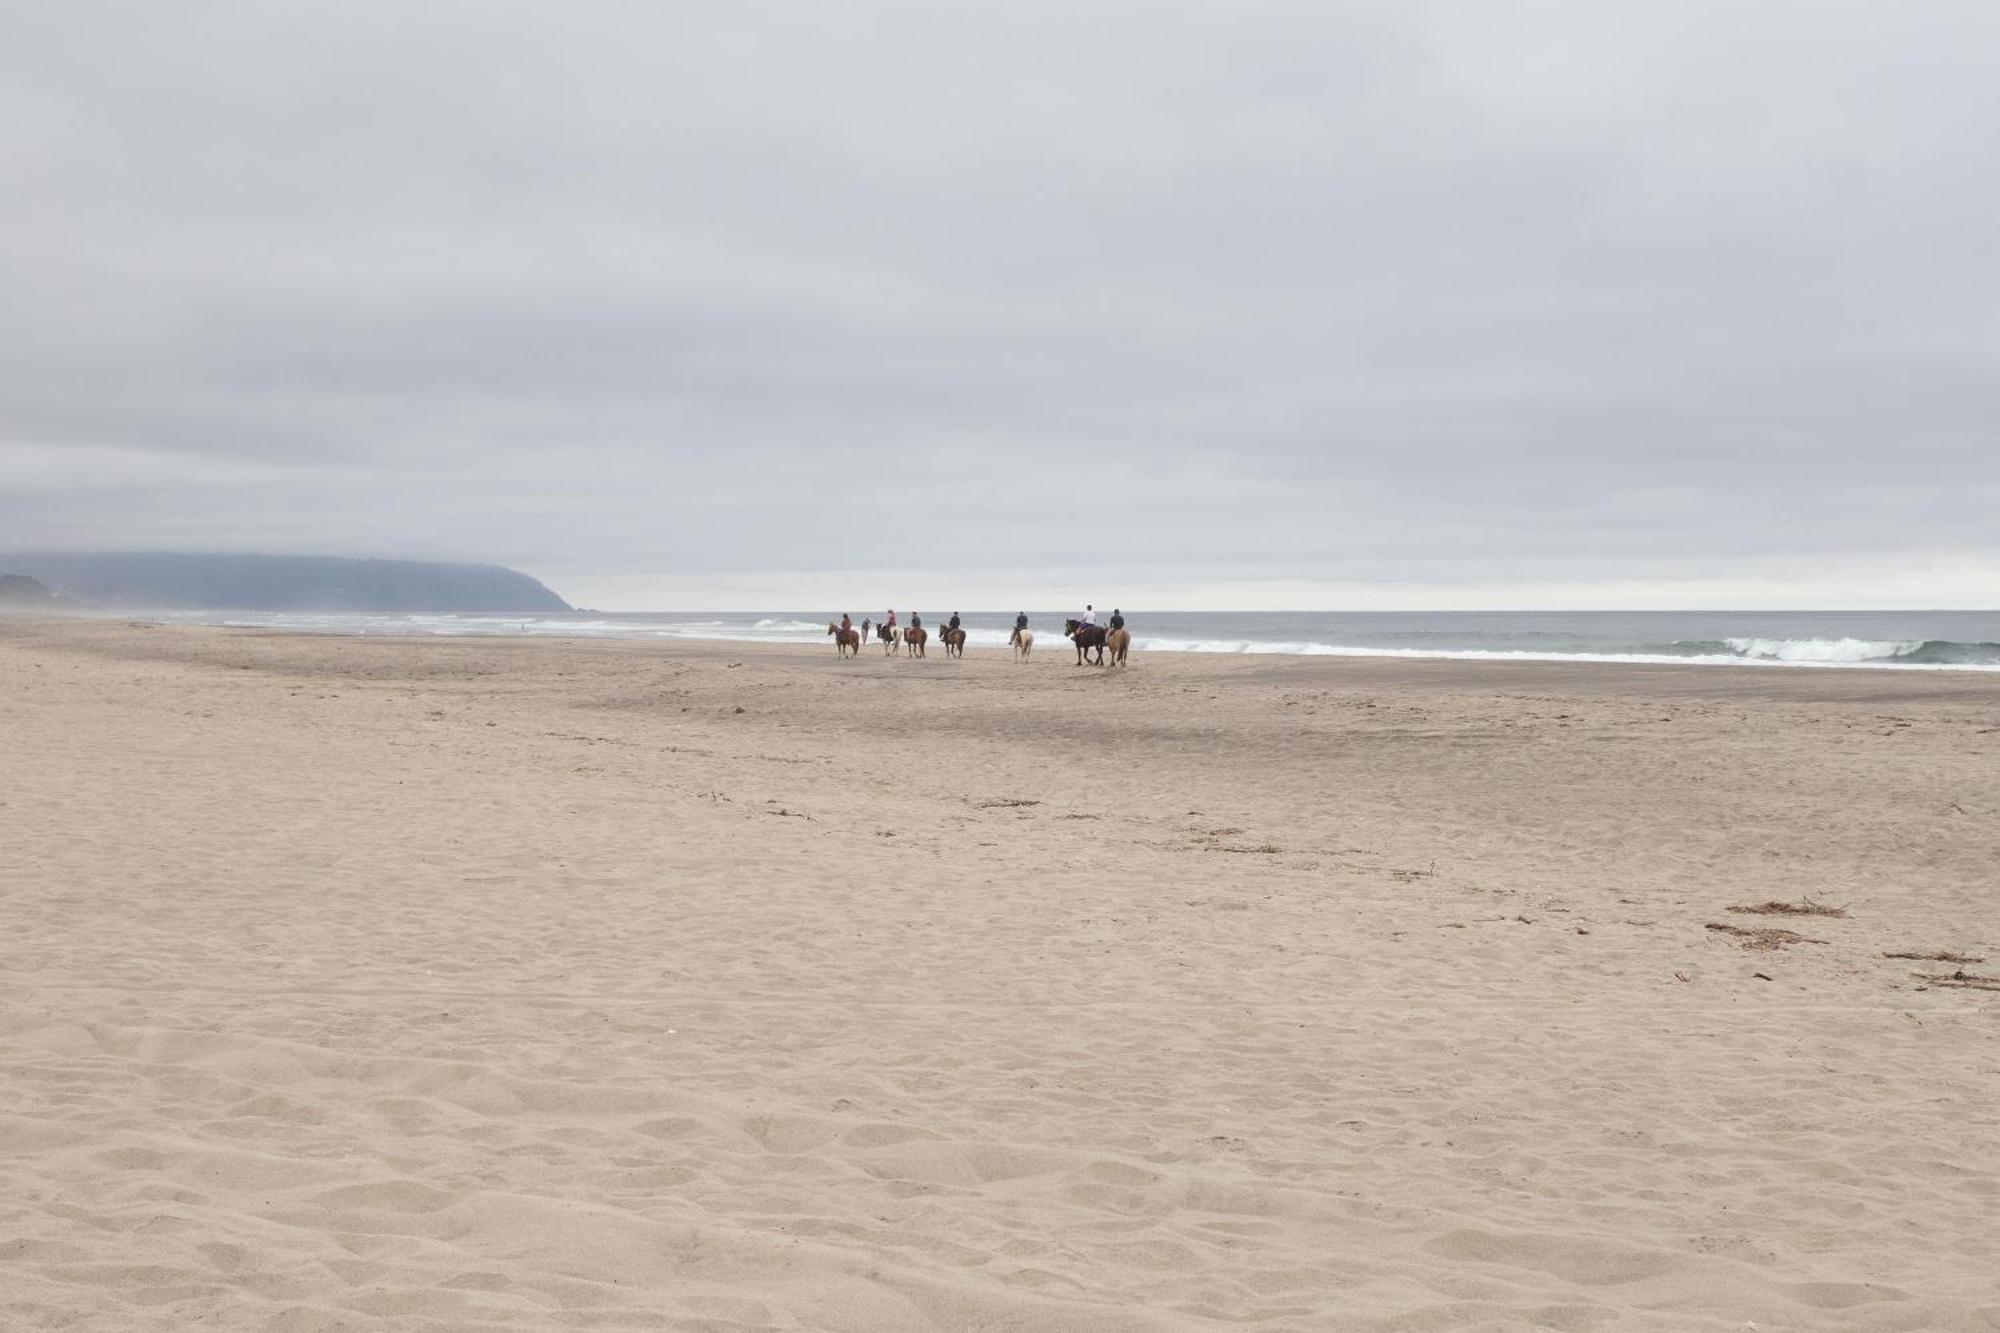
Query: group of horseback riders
(1083,630)
(894,637)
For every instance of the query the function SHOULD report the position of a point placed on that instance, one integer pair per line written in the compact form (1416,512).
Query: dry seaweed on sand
(1803,907)
(1762,939)
(1962,980)
(1938,956)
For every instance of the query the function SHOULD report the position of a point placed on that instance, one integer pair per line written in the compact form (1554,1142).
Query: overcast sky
(1239,304)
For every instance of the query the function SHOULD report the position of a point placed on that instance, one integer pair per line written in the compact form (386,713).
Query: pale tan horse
(847,642)
(1023,642)
(1115,643)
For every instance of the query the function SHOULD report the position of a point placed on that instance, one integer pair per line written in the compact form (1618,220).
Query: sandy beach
(463,985)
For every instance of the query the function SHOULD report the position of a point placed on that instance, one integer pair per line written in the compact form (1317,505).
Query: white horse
(1024,643)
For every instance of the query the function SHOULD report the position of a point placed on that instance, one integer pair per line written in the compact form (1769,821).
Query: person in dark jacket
(1117,618)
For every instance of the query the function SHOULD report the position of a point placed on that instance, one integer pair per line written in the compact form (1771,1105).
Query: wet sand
(455,984)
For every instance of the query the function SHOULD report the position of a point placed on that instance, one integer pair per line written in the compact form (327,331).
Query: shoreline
(1821,653)
(1525,665)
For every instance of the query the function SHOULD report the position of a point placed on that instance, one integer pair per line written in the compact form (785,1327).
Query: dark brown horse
(953,641)
(1087,638)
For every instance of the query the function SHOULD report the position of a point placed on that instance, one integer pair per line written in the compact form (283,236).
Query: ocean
(1896,640)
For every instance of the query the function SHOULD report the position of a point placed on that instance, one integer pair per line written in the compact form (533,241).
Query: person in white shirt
(1089,616)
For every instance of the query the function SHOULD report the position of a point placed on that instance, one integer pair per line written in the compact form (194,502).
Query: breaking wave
(1853,652)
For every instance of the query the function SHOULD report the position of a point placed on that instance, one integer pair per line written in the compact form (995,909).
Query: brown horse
(1116,642)
(1087,637)
(845,641)
(916,636)
(953,641)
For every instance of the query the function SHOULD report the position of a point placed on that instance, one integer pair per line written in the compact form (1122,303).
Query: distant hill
(169,581)
(20,590)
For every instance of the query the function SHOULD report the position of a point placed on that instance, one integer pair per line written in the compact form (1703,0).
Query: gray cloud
(1485,303)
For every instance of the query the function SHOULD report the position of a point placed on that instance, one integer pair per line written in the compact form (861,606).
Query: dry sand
(365,984)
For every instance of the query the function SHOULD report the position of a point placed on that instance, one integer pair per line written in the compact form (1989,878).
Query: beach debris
(1405,876)
(1682,976)
(1762,939)
(1260,849)
(1763,976)
(1803,907)
(1962,979)
(1004,803)
(1939,956)
(1581,931)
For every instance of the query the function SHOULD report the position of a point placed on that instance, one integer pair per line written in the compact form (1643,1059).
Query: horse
(1086,637)
(1023,642)
(1117,641)
(891,637)
(845,641)
(916,636)
(953,641)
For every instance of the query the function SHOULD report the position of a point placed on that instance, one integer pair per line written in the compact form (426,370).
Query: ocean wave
(1823,650)
(1844,651)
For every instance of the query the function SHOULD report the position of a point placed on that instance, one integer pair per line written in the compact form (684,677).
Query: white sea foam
(1824,651)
